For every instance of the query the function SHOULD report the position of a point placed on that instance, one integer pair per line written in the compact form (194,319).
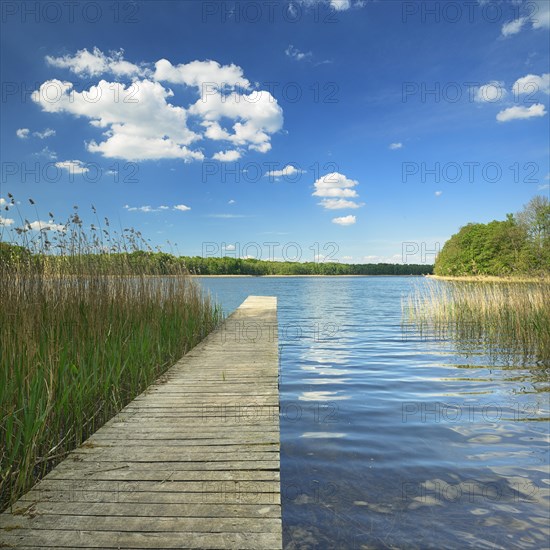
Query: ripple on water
(388,435)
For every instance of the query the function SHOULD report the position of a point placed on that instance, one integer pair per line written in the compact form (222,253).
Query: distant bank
(492,278)
(310,275)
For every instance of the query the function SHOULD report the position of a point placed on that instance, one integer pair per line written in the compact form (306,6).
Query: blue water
(389,440)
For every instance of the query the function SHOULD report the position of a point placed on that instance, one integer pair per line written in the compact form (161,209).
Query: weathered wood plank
(125,473)
(30,509)
(133,524)
(193,462)
(143,540)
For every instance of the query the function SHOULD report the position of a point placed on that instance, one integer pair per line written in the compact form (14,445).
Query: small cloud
(324,62)
(344,220)
(73,166)
(544,187)
(287,171)
(22,133)
(537,18)
(342,5)
(145,208)
(513,27)
(394,146)
(491,92)
(47,153)
(229,247)
(519,112)
(227,156)
(231,201)
(339,204)
(95,63)
(39,225)
(48,132)
(335,185)
(531,84)
(296,54)
(5,222)
(438,193)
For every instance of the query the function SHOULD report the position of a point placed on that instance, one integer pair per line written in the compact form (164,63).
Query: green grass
(510,319)
(80,337)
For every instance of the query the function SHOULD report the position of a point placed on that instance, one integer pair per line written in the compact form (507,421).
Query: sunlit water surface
(390,440)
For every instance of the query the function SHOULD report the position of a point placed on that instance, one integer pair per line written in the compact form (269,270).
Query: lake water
(393,441)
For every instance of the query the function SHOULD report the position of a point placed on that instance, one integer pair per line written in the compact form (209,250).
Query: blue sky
(347,127)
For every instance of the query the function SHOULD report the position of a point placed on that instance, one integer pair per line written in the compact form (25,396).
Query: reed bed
(504,319)
(84,328)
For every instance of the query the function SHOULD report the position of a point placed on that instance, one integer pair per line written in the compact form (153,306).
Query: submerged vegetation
(506,319)
(81,334)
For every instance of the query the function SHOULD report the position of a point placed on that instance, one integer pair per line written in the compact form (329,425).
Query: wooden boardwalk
(193,462)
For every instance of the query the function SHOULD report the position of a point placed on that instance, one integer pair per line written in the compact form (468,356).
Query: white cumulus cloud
(182,207)
(146,128)
(22,133)
(536,15)
(95,63)
(340,5)
(344,220)
(521,112)
(491,92)
(532,84)
(227,156)
(256,116)
(288,171)
(394,146)
(335,185)
(39,225)
(206,75)
(139,120)
(73,166)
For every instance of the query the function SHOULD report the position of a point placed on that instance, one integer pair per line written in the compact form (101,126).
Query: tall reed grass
(82,332)
(505,319)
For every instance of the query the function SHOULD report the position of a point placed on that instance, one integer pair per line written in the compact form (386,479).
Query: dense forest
(160,263)
(232,266)
(519,245)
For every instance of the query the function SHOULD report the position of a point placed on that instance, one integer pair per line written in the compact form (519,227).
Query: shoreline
(287,276)
(489,279)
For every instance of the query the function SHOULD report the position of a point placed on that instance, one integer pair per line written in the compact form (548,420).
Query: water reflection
(392,440)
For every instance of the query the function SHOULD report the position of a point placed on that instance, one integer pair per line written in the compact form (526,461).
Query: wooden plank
(125,473)
(192,462)
(133,524)
(240,510)
(143,540)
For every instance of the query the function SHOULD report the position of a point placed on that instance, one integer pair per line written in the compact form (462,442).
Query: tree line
(516,246)
(162,263)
